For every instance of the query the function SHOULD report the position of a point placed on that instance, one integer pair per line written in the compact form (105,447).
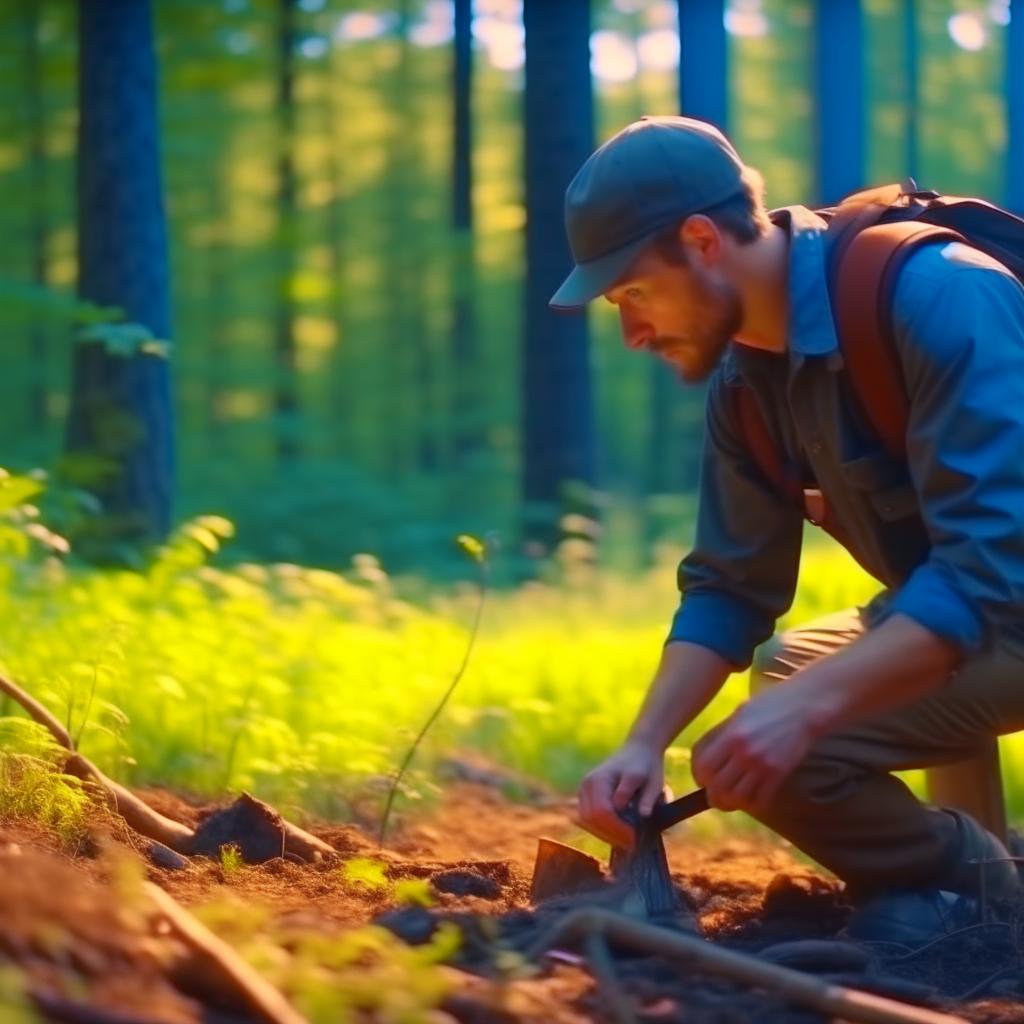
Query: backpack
(870,235)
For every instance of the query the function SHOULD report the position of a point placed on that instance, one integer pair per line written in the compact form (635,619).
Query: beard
(697,353)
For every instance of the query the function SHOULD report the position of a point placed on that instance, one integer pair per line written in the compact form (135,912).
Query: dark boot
(980,878)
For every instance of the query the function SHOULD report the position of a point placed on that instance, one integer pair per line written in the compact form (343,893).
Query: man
(667,223)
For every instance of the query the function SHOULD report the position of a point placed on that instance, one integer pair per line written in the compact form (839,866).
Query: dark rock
(164,857)
(819,955)
(251,825)
(466,883)
(414,925)
(802,896)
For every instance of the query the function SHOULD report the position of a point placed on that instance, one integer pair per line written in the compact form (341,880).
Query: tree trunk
(558,442)
(120,426)
(1015,107)
(703,61)
(466,382)
(39,224)
(839,92)
(286,388)
(910,64)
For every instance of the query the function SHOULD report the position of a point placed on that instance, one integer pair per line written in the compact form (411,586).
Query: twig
(604,971)
(407,760)
(138,814)
(836,1001)
(233,972)
(38,713)
(982,986)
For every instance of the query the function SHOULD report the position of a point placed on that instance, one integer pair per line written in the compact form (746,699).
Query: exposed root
(837,1001)
(287,839)
(219,966)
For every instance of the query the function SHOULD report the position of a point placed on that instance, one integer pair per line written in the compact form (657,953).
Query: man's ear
(701,239)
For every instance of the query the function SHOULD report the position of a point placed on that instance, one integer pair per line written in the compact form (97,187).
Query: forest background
(362,207)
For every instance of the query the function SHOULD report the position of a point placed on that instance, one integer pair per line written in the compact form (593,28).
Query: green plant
(230,859)
(32,784)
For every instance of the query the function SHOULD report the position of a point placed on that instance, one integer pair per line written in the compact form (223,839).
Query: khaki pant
(841,806)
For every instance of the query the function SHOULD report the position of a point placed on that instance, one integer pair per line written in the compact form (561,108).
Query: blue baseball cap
(653,173)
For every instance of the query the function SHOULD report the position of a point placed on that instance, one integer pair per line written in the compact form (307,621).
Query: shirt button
(815,446)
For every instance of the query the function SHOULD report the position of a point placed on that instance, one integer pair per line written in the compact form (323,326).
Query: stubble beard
(696,355)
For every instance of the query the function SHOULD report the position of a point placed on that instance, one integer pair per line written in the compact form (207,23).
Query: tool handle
(666,815)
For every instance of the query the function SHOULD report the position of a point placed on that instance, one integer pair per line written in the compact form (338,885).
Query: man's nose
(635,334)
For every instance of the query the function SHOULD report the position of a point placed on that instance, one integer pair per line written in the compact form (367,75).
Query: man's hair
(743,216)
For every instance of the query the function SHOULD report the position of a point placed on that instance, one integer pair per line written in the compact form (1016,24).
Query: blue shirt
(943,531)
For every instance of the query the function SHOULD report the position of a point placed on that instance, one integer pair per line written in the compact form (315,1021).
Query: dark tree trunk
(558,443)
(220,312)
(343,390)
(286,389)
(410,410)
(839,94)
(703,93)
(121,416)
(703,61)
(465,382)
(911,71)
(1015,108)
(39,224)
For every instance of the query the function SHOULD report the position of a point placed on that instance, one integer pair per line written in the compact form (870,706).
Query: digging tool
(642,872)
(644,868)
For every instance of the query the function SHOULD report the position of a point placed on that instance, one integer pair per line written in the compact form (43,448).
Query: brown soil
(69,924)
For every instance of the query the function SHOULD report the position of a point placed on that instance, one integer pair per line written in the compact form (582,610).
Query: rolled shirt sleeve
(741,573)
(960,336)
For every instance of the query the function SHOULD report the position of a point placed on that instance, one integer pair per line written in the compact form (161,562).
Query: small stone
(796,896)
(466,883)
(164,857)
(414,925)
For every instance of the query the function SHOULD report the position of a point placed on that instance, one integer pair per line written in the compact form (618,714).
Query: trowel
(642,872)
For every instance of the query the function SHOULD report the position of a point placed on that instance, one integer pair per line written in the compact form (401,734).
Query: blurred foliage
(345,978)
(375,265)
(306,686)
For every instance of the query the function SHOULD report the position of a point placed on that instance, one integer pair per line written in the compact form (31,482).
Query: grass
(307,687)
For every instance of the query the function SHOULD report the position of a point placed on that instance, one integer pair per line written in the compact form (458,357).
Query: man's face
(682,311)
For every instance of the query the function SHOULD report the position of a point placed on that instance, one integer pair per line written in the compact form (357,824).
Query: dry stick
(233,972)
(848,1004)
(137,813)
(601,965)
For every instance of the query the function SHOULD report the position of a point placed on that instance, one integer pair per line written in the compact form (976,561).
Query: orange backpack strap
(862,296)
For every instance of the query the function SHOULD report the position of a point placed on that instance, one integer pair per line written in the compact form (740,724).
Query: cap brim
(593,278)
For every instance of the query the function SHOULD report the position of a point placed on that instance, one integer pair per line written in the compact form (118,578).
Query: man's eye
(633,293)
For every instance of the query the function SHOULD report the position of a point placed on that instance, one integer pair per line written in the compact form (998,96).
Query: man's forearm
(688,676)
(887,668)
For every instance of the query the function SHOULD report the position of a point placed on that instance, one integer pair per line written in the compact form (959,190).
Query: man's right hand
(636,768)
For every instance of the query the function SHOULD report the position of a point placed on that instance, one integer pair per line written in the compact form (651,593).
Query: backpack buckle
(814,506)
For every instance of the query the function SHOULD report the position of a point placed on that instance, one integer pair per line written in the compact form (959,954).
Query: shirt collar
(812,330)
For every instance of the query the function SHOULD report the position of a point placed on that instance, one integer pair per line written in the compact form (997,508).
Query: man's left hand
(743,760)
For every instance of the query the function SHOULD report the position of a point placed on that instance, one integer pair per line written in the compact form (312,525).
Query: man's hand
(636,767)
(743,760)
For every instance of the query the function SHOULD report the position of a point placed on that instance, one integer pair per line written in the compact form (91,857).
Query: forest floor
(84,952)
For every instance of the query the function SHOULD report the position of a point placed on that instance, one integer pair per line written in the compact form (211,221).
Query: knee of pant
(817,780)
(764,669)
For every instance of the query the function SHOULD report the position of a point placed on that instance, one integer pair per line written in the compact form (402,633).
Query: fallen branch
(139,816)
(837,1001)
(232,974)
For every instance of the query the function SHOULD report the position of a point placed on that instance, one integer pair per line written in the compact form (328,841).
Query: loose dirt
(67,922)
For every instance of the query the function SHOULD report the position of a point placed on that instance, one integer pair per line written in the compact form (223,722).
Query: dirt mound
(72,926)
